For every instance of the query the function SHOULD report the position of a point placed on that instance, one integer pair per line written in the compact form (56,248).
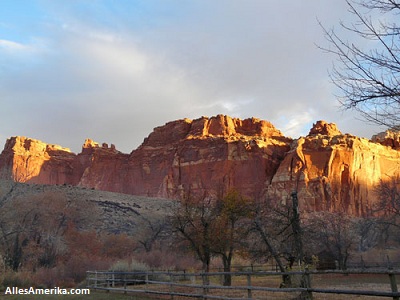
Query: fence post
(147,281)
(393,284)
(124,283)
(95,279)
(171,286)
(205,283)
(108,282)
(113,279)
(362,263)
(87,278)
(307,284)
(249,296)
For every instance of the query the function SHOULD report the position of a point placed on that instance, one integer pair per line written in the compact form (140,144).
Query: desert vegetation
(257,231)
(51,235)
(49,238)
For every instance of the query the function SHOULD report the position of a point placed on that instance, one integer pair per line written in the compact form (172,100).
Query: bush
(139,266)
(17,279)
(75,268)
(159,259)
(121,266)
(70,273)
(51,277)
(129,266)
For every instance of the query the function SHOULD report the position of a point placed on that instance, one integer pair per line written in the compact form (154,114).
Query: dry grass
(327,281)
(117,212)
(371,282)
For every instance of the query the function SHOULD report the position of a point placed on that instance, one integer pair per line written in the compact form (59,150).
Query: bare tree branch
(368,80)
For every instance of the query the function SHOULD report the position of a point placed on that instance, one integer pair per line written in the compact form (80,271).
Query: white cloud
(116,81)
(298,125)
(13,46)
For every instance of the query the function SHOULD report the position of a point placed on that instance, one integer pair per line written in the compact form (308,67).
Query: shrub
(129,266)
(159,259)
(51,277)
(17,279)
(139,266)
(75,268)
(121,266)
(117,245)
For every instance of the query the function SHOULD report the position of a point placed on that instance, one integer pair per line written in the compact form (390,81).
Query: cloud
(114,72)
(10,45)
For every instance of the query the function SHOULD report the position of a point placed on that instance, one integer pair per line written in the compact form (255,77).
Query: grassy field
(337,281)
(371,282)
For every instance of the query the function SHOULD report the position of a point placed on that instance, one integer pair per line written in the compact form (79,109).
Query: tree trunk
(286,281)
(206,270)
(227,261)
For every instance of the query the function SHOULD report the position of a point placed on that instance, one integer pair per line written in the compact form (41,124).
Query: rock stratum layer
(330,170)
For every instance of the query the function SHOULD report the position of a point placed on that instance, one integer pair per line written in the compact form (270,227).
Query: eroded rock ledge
(330,170)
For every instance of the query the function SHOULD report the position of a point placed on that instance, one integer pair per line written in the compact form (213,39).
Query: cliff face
(334,171)
(330,170)
(207,155)
(27,160)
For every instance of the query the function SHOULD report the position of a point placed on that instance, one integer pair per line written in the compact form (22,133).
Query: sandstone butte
(330,170)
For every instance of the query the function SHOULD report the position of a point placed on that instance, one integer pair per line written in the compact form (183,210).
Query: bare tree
(388,208)
(388,192)
(214,227)
(367,74)
(232,211)
(272,236)
(32,228)
(370,233)
(335,233)
(193,219)
(151,233)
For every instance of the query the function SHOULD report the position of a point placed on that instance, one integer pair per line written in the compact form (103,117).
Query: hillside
(117,213)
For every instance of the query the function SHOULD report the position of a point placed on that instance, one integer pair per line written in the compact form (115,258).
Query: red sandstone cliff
(28,160)
(329,169)
(207,154)
(334,171)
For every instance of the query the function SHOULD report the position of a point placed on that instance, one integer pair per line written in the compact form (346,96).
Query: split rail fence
(305,284)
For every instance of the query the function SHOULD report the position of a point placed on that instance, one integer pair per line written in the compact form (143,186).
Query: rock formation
(330,170)
(334,171)
(207,154)
(26,160)
(390,138)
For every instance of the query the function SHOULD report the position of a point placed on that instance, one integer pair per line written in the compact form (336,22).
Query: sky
(114,70)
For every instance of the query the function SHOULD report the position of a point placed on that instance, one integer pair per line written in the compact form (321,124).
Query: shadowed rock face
(330,170)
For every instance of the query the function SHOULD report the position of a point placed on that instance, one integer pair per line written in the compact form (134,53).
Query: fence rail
(246,285)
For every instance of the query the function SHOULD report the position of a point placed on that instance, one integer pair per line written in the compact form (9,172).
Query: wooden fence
(250,285)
